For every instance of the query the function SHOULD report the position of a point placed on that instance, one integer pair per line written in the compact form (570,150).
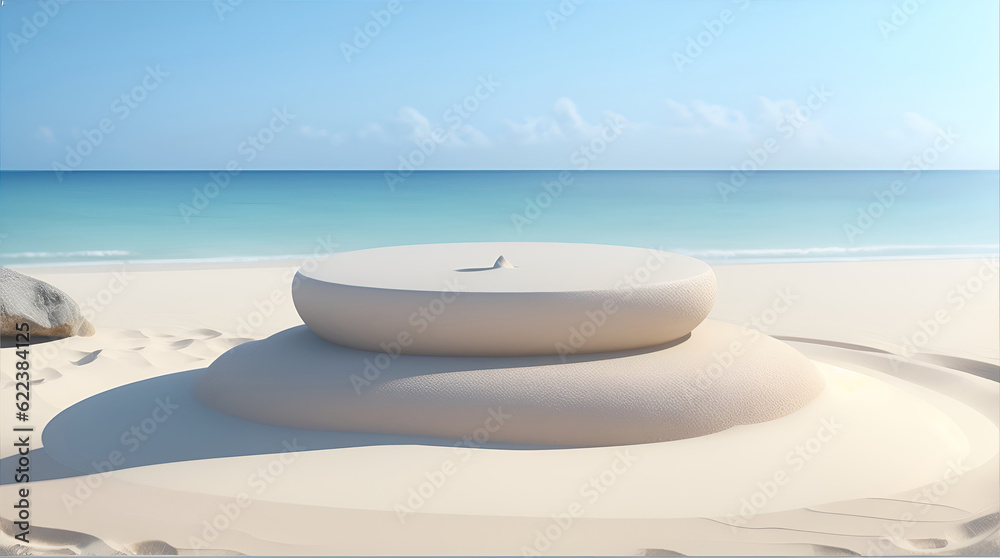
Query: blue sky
(821,85)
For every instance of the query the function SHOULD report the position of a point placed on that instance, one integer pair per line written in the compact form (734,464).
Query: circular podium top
(505,267)
(497,298)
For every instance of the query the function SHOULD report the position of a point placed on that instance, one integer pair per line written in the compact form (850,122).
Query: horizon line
(497,170)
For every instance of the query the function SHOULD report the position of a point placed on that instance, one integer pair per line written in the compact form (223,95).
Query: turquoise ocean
(116,216)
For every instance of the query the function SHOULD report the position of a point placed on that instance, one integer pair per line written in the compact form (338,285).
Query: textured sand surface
(914,470)
(718,377)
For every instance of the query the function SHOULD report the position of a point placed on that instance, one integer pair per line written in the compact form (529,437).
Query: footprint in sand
(202,349)
(206,333)
(147,334)
(88,358)
(181,344)
(46,374)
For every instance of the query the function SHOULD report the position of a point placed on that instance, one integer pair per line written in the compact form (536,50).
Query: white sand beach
(897,455)
(486,278)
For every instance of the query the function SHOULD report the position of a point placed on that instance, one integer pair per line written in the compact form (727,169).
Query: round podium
(575,344)
(504,299)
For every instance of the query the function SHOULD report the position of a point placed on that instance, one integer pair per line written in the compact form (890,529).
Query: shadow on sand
(12,342)
(159,420)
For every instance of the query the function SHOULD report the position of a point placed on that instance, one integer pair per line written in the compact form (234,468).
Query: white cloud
(412,124)
(466,135)
(679,110)
(409,125)
(703,118)
(726,125)
(534,130)
(311,132)
(565,123)
(784,114)
(720,116)
(372,130)
(695,133)
(568,118)
(775,111)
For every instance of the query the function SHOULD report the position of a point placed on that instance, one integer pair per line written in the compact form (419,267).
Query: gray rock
(49,311)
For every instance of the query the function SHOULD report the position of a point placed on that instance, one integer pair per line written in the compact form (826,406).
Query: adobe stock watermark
(265,307)
(455,116)
(91,307)
(33,24)
(590,493)
(957,299)
(534,206)
(365,34)
(796,459)
(899,17)
(596,318)
(420,320)
(225,7)
(943,141)
(928,496)
(751,330)
(714,28)
(884,199)
(249,149)
(786,126)
(868,215)
(435,480)
(131,439)
(783,301)
(259,481)
(122,106)
(562,13)
(581,158)
(588,152)
(116,285)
